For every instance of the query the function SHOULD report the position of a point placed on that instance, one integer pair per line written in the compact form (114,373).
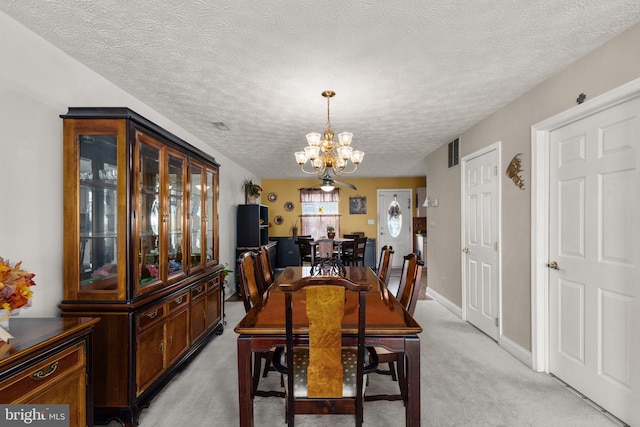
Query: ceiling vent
(220,125)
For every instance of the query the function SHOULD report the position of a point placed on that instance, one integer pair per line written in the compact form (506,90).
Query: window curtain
(318,195)
(316,225)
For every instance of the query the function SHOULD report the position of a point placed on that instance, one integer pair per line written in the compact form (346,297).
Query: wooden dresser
(46,363)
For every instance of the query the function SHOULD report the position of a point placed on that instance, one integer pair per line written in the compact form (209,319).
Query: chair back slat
(324,248)
(248,265)
(325,309)
(266,268)
(384,266)
(410,279)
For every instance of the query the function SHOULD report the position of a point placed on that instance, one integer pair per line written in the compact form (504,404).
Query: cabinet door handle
(199,288)
(171,341)
(153,314)
(161,346)
(178,300)
(45,372)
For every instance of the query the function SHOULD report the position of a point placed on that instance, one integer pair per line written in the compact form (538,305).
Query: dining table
(388,325)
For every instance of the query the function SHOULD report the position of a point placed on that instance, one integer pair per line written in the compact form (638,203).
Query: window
(319,210)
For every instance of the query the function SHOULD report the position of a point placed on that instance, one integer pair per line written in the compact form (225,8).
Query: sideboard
(49,362)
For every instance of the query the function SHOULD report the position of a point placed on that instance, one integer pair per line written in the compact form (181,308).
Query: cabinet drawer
(198,291)
(151,316)
(43,375)
(178,302)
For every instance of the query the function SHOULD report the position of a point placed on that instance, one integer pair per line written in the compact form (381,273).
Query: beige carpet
(467,380)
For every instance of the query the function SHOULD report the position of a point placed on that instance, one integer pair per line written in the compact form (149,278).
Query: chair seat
(382,351)
(349,363)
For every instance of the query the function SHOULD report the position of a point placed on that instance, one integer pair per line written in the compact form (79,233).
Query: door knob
(553,265)
(465,250)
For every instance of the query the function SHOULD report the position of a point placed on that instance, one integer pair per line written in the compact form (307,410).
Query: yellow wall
(287,191)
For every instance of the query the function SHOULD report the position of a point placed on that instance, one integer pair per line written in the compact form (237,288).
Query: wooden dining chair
(325,375)
(408,291)
(384,265)
(356,257)
(305,248)
(250,276)
(268,276)
(323,250)
(410,278)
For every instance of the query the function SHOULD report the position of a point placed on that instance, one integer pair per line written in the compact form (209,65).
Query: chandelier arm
(343,171)
(313,172)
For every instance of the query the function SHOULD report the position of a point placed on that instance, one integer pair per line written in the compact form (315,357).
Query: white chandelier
(325,154)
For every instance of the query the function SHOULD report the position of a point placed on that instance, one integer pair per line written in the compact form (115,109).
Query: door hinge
(497,322)
(495,245)
(495,170)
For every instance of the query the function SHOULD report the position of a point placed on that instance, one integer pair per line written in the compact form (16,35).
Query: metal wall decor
(513,171)
(328,267)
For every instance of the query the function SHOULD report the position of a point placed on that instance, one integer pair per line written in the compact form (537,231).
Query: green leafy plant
(225,271)
(330,229)
(251,189)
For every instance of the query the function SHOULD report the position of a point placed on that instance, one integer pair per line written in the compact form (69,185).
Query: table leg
(245,384)
(412,354)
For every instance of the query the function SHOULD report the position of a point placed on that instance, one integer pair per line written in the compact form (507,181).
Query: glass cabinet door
(148,213)
(175,215)
(209,220)
(98,212)
(196,216)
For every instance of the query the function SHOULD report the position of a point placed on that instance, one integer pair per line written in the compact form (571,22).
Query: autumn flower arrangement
(15,286)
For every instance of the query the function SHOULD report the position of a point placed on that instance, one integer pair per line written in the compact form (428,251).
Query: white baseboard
(445,302)
(506,344)
(516,351)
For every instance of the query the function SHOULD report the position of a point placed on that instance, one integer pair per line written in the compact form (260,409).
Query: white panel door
(480,233)
(594,279)
(395,229)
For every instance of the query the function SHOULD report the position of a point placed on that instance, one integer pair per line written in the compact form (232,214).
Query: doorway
(395,217)
(585,268)
(480,240)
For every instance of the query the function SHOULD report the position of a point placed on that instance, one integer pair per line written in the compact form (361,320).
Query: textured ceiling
(409,76)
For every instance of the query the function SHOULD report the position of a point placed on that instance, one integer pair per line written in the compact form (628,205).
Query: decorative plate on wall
(278,220)
(272,197)
(288,206)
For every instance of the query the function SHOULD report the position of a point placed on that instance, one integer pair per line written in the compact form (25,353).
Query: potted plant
(251,191)
(331,232)
(225,272)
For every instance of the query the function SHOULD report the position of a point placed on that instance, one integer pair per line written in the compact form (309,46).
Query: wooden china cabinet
(140,252)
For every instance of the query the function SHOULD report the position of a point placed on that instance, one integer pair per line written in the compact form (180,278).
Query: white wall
(38,82)
(611,65)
